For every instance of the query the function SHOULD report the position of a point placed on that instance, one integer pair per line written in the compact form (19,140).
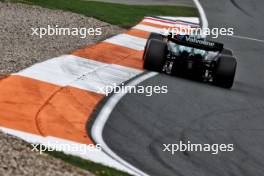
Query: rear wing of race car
(186,40)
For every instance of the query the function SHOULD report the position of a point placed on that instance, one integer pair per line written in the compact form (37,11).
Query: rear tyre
(155,55)
(227,52)
(225,71)
(153,36)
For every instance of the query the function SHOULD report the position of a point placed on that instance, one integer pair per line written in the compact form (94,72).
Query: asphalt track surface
(198,112)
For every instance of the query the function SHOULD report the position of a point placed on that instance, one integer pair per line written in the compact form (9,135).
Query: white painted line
(247,38)
(104,114)
(205,23)
(128,41)
(148,28)
(202,15)
(185,19)
(69,70)
(77,149)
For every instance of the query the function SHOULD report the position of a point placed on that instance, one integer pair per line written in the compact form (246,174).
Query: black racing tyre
(225,71)
(227,52)
(155,56)
(153,36)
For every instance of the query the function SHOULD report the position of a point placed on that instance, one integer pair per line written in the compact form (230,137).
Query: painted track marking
(202,14)
(247,38)
(103,116)
(65,89)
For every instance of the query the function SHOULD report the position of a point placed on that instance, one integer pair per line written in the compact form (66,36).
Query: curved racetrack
(201,113)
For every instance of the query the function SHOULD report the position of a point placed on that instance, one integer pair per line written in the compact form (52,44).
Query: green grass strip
(96,169)
(117,14)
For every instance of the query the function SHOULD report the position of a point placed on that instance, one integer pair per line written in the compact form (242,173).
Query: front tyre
(155,55)
(225,71)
